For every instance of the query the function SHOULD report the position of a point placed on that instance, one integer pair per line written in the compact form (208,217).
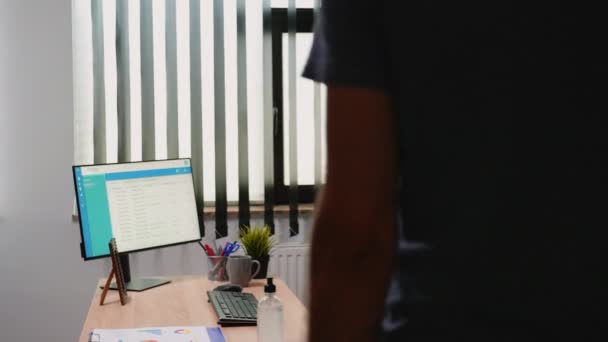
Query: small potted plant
(258,243)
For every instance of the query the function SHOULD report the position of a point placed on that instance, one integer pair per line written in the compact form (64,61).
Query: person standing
(466,180)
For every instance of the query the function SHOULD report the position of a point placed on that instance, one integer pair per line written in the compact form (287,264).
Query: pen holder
(217,268)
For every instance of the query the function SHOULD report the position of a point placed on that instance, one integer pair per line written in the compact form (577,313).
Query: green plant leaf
(257,241)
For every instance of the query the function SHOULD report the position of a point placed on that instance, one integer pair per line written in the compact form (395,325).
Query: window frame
(304,24)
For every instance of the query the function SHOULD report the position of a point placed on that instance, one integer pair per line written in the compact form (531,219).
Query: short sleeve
(349,46)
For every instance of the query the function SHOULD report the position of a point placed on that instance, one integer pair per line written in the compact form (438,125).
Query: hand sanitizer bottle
(270,315)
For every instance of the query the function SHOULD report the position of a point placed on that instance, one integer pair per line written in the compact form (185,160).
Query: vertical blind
(164,79)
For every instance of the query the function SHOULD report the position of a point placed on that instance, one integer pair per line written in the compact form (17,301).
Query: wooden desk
(184,302)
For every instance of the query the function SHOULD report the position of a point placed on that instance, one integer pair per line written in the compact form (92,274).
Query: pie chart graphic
(183,331)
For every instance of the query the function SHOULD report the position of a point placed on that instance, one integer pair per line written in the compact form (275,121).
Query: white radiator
(290,262)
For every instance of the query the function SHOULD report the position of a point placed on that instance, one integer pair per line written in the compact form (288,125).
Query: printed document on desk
(158,334)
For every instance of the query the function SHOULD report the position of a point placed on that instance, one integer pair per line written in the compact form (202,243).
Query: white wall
(45,287)
(44,284)
(39,266)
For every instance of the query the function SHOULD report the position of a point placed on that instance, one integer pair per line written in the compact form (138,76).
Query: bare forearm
(355,233)
(349,277)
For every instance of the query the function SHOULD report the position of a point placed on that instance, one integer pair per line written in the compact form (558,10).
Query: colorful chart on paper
(158,334)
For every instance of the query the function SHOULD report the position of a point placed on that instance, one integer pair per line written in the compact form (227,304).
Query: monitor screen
(142,205)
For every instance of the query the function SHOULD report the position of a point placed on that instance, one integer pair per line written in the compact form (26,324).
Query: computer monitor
(143,205)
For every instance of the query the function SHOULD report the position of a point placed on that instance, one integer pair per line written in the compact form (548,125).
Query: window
(164,79)
(305,104)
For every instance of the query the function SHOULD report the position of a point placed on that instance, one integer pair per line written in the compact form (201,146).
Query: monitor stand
(141,284)
(136,284)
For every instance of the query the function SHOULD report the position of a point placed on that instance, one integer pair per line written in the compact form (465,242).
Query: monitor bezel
(83,250)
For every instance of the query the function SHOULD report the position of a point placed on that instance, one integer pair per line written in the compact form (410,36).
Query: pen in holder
(217,268)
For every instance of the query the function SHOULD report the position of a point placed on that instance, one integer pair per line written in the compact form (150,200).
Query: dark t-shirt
(502,145)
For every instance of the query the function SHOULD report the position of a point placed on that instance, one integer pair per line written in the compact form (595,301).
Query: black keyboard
(234,308)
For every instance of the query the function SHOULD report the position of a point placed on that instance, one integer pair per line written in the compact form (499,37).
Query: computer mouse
(229,288)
